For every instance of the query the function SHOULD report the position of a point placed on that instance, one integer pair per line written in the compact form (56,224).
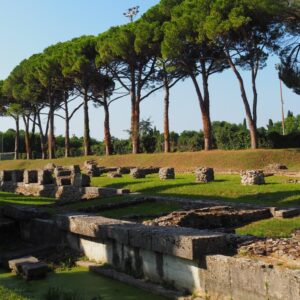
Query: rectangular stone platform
(181,242)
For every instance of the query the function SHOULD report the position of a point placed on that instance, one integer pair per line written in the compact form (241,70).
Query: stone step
(16,264)
(287,213)
(33,271)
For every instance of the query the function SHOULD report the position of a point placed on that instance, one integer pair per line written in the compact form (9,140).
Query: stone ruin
(166,173)
(66,184)
(137,173)
(91,168)
(204,175)
(114,174)
(252,177)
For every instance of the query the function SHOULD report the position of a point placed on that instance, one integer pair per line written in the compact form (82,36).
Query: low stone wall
(186,259)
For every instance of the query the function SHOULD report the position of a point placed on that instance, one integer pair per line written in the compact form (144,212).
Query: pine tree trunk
(135,115)
(27,138)
(51,146)
(67,129)
(107,136)
(87,140)
(17,138)
(167,146)
(43,140)
(204,103)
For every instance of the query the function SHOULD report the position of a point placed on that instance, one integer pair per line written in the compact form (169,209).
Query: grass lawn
(141,209)
(226,187)
(9,198)
(83,284)
(271,228)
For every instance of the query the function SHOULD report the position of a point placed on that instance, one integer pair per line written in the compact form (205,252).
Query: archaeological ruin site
(191,252)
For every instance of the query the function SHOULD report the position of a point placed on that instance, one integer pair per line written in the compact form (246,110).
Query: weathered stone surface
(35,189)
(137,173)
(30,176)
(182,242)
(91,168)
(252,177)
(204,175)
(211,217)
(15,264)
(81,180)
(68,193)
(114,175)
(23,213)
(166,173)
(89,226)
(33,271)
(96,192)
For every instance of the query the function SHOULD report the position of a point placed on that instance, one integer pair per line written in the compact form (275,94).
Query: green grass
(77,280)
(10,198)
(226,187)
(141,209)
(271,228)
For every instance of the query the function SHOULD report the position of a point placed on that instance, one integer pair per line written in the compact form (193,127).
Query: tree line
(225,136)
(173,41)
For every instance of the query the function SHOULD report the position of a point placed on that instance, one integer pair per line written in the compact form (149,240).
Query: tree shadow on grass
(277,198)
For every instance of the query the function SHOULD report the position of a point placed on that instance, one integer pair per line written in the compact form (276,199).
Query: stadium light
(132,12)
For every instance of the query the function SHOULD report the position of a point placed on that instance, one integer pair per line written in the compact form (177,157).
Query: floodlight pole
(131,13)
(282,108)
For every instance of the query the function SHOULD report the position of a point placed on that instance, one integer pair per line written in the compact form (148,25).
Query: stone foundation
(204,175)
(137,173)
(252,177)
(166,173)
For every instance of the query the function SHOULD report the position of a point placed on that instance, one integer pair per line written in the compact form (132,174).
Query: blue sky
(29,26)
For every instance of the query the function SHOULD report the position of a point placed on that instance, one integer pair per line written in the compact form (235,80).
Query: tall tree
(130,54)
(187,46)
(247,31)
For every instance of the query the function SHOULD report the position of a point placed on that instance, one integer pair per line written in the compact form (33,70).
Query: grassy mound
(182,161)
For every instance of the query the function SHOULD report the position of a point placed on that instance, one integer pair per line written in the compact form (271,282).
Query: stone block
(187,243)
(81,180)
(30,176)
(252,177)
(204,175)
(33,271)
(137,173)
(166,173)
(68,193)
(15,264)
(114,175)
